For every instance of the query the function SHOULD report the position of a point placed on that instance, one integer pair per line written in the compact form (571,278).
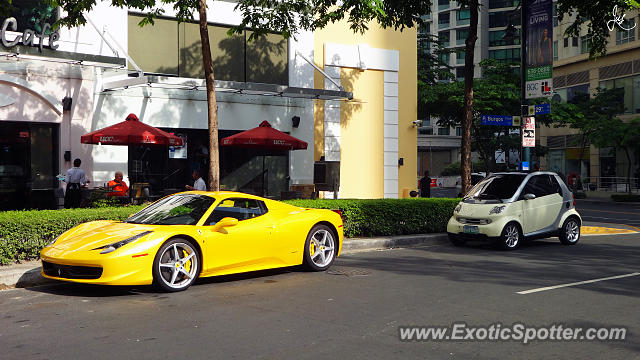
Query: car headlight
(116,245)
(54,240)
(497,209)
(458,208)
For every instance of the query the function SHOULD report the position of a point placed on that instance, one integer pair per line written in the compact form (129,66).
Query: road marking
(576,283)
(594,217)
(600,230)
(610,211)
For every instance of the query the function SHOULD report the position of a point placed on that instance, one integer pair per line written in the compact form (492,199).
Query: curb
(27,274)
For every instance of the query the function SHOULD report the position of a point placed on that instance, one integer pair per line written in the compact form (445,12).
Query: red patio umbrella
(131,132)
(264,137)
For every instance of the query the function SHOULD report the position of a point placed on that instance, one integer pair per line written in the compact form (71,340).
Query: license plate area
(470,229)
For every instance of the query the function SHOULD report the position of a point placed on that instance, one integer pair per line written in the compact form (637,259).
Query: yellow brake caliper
(312,248)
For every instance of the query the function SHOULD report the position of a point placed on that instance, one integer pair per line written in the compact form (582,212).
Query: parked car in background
(510,207)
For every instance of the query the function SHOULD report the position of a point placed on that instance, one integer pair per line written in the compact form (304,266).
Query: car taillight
(339,212)
(574,199)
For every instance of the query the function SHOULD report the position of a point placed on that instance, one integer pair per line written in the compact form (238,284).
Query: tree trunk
(213,182)
(467,117)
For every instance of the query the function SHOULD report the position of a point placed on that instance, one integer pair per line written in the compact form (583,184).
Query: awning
(264,137)
(131,132)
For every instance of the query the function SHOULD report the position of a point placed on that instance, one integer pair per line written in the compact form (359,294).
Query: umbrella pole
(263,176)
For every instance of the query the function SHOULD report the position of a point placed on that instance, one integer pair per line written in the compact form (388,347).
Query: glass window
(182,209)
(444,57)
(555,50)
(566,42)
(443,20)
(625,36)
(443,4)
(237,208)
(461,36)
(636,94)
(501,18)
(161,57)
(505,55)
(267,59)
(574,41)
(496,38)
(227,53)
(458,131)
(497,4)
(463,17)
(626,84)
(460,54)
(443,131)
(539,185)
(460,73)
(496,187)
(577,93)
(554,13)
(32,14)
(555,186)
(443,37)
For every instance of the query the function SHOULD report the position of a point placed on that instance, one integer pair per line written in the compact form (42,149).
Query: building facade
(575,75)
(112,67)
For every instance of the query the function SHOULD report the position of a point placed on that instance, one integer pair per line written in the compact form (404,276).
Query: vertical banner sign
(539,48)
(529,132)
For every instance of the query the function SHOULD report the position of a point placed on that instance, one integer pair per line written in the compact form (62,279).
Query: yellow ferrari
(195,234)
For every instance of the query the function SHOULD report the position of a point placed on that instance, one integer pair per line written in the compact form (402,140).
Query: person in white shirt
(75,180)
(198,184)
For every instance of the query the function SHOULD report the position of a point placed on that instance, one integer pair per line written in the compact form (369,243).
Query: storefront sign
(29,37)
(539,48)
(529,132)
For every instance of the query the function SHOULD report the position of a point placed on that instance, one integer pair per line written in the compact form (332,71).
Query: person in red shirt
(117,186)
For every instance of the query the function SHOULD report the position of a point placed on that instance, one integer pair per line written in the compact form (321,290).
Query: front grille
(473,221)
(71,272)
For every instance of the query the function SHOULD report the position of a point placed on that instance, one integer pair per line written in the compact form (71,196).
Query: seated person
(117,187)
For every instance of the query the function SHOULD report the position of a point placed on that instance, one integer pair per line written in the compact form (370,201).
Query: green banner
(539,73)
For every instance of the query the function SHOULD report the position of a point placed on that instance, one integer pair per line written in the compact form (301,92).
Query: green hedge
(625,197)
(385,217)
(24,233)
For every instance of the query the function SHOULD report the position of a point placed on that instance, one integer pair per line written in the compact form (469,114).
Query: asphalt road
(609,212)
(351,312)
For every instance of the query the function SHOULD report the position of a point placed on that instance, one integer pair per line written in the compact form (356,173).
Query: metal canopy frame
(236,87)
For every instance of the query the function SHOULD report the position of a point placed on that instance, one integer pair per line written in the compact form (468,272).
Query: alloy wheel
(178,265)
(321,248)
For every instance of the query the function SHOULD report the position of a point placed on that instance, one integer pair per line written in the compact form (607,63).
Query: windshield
(182,209)
(496,187)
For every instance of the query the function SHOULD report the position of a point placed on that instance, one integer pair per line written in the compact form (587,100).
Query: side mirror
(529,196)
(224,222)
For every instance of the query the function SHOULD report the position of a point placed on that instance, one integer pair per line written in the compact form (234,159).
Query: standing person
(545,50)
(117,187)
(425,185)
(75,180)
(198,183)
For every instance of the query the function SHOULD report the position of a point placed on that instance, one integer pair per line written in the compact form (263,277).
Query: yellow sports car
(195,234)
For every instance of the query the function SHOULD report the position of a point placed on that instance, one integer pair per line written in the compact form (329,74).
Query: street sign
(529,132)
(540,109)
(501,120)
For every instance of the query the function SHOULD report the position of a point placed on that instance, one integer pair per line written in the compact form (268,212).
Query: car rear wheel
(511,237)
(176,266)
(320,248)
(570,232)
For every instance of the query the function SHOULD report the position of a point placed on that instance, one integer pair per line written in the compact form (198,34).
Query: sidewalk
(27,273)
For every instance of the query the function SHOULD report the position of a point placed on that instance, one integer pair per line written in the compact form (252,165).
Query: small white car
(510,207)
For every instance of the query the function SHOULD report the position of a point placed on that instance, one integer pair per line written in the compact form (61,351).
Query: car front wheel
(511,237)
(570,232)
(176,266)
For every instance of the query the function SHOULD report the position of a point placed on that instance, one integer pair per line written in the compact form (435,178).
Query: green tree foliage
(596,119)
(496,93)
(594,15)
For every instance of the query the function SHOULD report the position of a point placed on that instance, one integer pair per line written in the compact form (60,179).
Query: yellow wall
(362,119)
